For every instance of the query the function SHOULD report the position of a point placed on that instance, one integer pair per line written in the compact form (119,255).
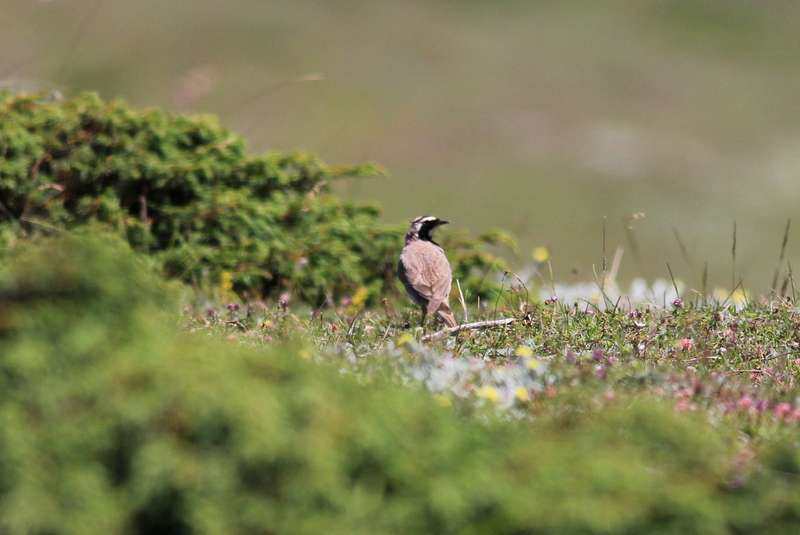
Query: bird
(424,270)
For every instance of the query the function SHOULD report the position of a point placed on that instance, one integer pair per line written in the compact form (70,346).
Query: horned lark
(424,271)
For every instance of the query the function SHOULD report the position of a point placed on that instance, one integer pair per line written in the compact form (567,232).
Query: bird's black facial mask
(426,225)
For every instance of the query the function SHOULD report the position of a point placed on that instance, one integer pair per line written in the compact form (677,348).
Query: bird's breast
(425,262)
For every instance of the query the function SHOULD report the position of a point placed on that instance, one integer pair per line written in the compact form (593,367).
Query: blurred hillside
(539,117)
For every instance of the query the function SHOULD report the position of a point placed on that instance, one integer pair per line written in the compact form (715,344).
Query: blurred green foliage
(112,423)
(184,190)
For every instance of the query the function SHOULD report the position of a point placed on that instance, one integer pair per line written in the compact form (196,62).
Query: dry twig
(467,326)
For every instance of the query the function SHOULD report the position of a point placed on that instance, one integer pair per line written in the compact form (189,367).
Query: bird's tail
(447,315)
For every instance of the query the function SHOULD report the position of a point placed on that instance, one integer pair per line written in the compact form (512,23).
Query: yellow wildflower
(523,351)
(540,254)
(405,338)
(444,401)
(521,393)
(739,297)
(360,297)
(226,281)
(533,364)
(488,392)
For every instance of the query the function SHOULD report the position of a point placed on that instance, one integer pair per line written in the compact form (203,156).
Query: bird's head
(422,227)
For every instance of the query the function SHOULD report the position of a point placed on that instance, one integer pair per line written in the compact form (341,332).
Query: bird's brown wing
(421,263)
(440,279)
(423,290)
(427,272)
(408,272)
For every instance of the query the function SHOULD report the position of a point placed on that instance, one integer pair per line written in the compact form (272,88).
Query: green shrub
(112,423)
(184,190)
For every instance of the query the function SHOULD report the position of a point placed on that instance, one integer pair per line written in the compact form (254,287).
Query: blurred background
(542,118)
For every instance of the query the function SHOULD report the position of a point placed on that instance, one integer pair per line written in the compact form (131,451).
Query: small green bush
(112,423)
(184,190)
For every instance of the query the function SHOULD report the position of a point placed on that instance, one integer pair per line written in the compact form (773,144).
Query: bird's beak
(442,222)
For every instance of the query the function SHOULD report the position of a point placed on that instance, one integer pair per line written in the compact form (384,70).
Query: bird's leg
(424,311)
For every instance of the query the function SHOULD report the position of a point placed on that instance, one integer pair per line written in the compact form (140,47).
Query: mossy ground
(734,366)
(122,415)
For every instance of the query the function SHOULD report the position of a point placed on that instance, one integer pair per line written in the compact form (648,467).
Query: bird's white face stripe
(424,219)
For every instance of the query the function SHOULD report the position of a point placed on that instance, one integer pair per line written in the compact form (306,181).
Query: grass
(671,418)
(734,366)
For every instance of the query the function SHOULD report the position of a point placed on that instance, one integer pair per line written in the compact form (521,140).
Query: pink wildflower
(782,409)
